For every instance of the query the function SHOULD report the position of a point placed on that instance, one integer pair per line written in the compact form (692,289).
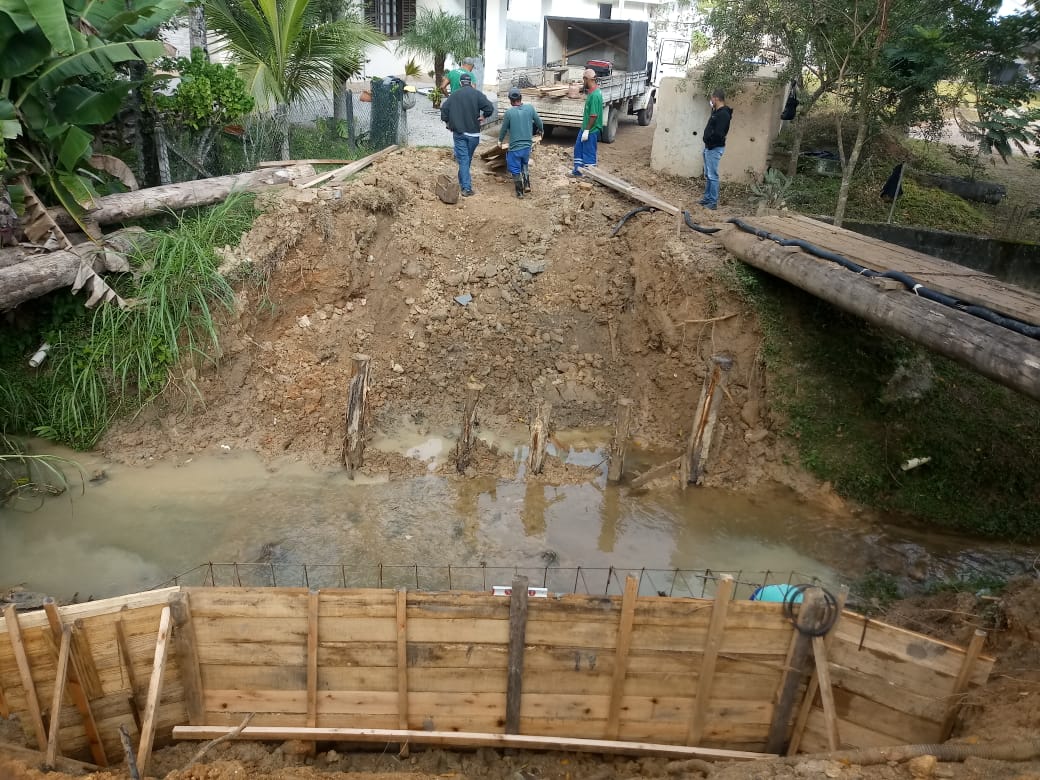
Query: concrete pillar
(494,43)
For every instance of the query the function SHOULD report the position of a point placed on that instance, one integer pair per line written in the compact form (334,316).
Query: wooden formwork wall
(638,669)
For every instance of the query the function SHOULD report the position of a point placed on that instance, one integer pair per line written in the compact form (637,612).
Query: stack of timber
(643,674)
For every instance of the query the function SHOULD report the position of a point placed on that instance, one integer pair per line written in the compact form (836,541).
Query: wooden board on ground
(622,186)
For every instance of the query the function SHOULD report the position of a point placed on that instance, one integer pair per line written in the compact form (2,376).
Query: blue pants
(516,161)
(585,151)
(711,176)
(465,145)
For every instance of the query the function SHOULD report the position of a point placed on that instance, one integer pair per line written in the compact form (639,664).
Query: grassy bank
(110,361)
(861,402)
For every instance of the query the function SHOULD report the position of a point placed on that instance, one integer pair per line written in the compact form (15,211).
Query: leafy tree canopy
(438,34)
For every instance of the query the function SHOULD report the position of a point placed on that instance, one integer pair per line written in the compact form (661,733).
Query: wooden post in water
(464,446)
(517,638)
(691,467)
(357,416)
(618,447)
(810,613)
(539,438)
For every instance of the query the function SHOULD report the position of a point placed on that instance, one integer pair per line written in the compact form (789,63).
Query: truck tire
(547,130)
(610,128)
(644,115)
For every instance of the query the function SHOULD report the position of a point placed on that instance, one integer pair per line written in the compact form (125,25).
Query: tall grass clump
(24,475)
(126,357)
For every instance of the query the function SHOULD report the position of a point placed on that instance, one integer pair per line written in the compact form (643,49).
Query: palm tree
(284,49)
(437,34)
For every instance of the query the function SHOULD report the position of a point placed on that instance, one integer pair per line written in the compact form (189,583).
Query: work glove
(584,136)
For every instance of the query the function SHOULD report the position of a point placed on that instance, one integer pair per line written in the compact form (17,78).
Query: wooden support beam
(123,647)
(357,416)
(349,169)
(823,676)
(61,675)
(622,186)
(36,758)
(539,438)
(313,598)
(712,643)
(960,685)
(464,446)
(814,682)
(624,644)
(517,641)
(83,657)
(619,444)
(402,663)
(809,614)
(151,707)
(21,658)
(185,649)
(468,740)
(698,448)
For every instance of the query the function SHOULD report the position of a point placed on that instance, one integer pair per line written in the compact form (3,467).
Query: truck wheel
(644,115)
(547,130)
(610,128)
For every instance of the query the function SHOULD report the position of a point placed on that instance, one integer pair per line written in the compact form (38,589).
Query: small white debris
(225,447)
(304,321)
(398,368)
(913,463)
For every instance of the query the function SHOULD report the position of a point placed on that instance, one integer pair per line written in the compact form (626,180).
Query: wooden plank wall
(263,651)
(108,695)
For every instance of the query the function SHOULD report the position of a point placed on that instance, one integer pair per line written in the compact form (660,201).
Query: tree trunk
(197,28)
(848,168)
(339,102)
(438,70)
(799,131)
(282,112)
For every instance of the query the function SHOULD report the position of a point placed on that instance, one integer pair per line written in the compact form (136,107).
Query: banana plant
(62,72)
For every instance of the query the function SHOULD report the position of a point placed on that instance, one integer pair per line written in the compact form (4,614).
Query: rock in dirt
(922,767)
(533,267)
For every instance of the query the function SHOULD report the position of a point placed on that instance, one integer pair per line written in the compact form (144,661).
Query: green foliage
(437,34)
(436,97)
(1005,124)
(207,95)
(412,69)
(968,156)
(64,70)
(24,475)
(876,591)
(773,190)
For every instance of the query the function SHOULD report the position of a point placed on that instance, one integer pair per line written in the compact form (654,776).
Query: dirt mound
(532,298)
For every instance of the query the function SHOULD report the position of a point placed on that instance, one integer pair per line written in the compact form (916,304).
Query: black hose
(629,215)
(694,226)
(827,619)
(911,284)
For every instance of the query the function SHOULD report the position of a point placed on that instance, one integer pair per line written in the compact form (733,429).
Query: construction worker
(520,122)
(591,123)
(465,110)
(450,82)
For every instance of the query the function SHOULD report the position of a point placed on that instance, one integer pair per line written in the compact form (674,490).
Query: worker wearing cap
(450,82)
(520,122)
(465,110)
(591,123)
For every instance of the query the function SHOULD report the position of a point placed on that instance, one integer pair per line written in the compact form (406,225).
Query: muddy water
(140,526)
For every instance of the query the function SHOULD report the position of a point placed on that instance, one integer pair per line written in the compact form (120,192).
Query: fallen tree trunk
(1003,355)
(128,206)
(14,255)
(981,191)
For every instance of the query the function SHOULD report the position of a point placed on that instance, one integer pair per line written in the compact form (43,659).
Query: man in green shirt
(450,82)
(521,122)
(591,124)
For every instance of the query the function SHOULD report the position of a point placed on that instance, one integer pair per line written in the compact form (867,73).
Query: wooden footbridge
(966,315)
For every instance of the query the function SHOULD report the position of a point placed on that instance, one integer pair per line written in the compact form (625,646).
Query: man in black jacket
(714,145)
(464,112)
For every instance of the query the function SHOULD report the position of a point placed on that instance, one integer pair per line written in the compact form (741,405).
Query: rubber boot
(527,178)
(518,182)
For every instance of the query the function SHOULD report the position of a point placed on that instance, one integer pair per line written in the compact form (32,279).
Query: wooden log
(960,685)
(151,708)
(469,740)
(312,657)
(357,416)
(76,688)
(706,675)
(809,614)
(698,447)
(350,169)
(624,644)
(21,658)
(622,186)
(464,446)
(13,255)
(619,444)
(402,663)
(60,678)
(517,639)
(1009,358)
(540,433)
(657,472)
(186,650)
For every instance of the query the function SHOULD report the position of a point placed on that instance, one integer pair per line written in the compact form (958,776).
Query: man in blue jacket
(464,112)
(520,123)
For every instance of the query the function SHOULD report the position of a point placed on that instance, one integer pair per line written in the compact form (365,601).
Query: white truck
(617,49)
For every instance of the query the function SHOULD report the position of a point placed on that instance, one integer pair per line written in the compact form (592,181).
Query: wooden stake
(312,657)
(464,446)
(357,416)
(624,643)
(814,683)
(539,438)
(517,640)
(14,633)
(128,751)
(823,675)
(59,694)
(960,685)
(402,663)
(712,643)
(186,651)
(809,615)
(622,430)
(128,662)
(698,447)
(151,707)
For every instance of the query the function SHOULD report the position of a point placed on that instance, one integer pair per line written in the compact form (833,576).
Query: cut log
(467,436)
(357,416)
(1010,358)
(619,444)
(540,433)
(979,191)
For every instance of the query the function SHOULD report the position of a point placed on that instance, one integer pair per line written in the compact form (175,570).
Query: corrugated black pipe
(627,216)
(694,226)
